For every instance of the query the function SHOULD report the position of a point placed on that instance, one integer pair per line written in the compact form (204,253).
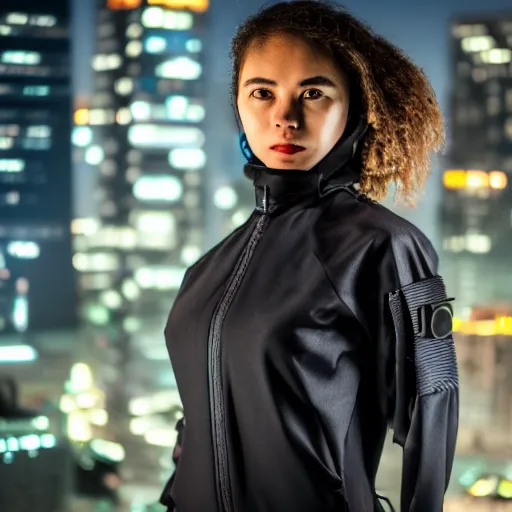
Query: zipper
(217,410)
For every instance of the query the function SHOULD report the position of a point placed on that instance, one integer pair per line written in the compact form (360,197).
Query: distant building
(37,281)
(476,218)
(143,135)
(484,352)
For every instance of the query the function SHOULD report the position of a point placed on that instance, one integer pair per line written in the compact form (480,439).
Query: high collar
(277,188)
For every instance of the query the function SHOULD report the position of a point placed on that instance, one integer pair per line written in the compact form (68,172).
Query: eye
(312,94)
(261,94)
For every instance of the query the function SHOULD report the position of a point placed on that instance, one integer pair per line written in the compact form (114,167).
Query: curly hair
(405,124)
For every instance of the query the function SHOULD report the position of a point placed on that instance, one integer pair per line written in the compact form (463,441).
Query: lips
(288,149)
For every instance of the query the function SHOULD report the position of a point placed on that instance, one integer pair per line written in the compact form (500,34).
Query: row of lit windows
(193,5)
(37,131)
(474,179)
(22,70)
(475,243)
(21,18)
(36,144)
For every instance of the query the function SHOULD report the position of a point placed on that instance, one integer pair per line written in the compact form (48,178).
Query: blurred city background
(120,167)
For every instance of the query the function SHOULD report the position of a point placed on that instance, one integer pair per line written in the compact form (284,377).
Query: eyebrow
(314,80)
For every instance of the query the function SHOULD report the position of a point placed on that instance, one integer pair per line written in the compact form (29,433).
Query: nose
(287,115)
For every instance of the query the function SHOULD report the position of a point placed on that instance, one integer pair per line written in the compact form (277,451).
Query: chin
(288,162)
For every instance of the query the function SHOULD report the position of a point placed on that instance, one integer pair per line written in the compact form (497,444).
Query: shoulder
(375,238)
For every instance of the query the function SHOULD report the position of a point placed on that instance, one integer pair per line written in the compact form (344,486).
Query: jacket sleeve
(424,403)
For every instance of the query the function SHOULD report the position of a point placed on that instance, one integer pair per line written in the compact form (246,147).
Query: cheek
(333,125)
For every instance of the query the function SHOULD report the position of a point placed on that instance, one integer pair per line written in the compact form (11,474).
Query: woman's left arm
(425,401)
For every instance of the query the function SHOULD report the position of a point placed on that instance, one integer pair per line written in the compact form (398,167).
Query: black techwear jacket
(296,342)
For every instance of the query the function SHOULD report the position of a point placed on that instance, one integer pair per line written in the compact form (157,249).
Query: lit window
(479,244)
(36,90)
(225,198)
(111,299)
(24,250)
(39,132)
(44,21)
(155,136)
(477,179)
(103,62)
(21,57)
(183,68)
(96,262)
(153,17)
(123,4)
(187,159)
(5,30)
(508,128)
(140,110)
(496,56)
(498,180)
(123,116)
(81,116)
(100,116)
(158,188)
(20,313)
(156,17)
(81,136)
(134,31)
(194,45)
(133,49)
(12,165)
(124,86)
(17,18)
(161,278)
(477,43)
(155,44)
(153,221)
(190,254)
(94,155)
(6,142)
(193,5)
(466,30)
(240,216)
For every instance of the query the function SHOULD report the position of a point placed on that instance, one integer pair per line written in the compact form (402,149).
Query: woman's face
(293,102)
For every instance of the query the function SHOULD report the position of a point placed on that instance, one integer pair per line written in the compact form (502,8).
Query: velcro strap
(429,291)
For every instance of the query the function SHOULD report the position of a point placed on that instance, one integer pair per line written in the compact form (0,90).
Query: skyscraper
(37,283)
(477,196)
(143,134)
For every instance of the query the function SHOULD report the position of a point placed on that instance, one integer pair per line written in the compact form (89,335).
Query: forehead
(287,55)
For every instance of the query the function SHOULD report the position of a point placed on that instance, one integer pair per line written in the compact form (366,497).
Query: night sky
(421,28)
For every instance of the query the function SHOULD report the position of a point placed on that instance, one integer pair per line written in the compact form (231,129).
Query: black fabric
(308,365)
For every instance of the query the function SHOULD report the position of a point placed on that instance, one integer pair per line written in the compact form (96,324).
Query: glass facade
(37,281)
(477,195)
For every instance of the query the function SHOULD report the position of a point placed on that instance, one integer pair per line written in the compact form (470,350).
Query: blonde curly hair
(405,124)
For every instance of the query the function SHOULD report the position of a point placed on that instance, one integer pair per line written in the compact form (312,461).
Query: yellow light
(477,179)
(483,487)
(81,116)
(501,325)
(454,179)
(505,489)
(193,5)
(498,180)
(117,5)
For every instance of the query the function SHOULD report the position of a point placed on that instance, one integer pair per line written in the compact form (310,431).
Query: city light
(81,116)
(81,136)
(12,165)
(187,159)
(158,188)
(156,17)
(193,5)
(94,155)
(24,250)
(17,354)
(225,198)
(183,68)
(474,179)
(477,43)
(117,5)
(501,325)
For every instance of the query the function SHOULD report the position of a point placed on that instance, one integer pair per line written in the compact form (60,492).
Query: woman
(322,320)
